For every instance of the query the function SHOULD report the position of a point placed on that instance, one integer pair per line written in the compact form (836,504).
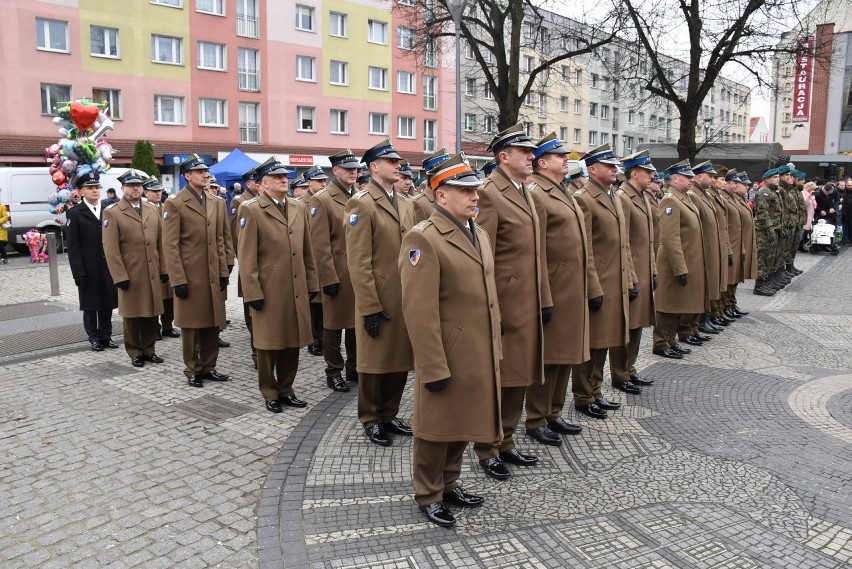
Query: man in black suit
(98,295)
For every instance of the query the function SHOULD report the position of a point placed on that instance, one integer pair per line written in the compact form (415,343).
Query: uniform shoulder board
(690,193)
(171,196)
(619,192)
(422,225)
(359,195)
(112,205)
(322,191)
(251,201)
(218,197)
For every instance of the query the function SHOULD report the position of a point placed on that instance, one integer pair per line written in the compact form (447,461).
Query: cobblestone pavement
(739,456)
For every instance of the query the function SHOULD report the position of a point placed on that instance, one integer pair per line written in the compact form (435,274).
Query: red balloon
(83,115)
(59,178)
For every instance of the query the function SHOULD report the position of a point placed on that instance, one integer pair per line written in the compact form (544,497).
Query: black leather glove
(546,314)
(230,268)
(731,260)
(434,386)
(182,291)
(164,278)
(632,293)
(312,295)
(256,304)
(743,257)
(654,282)
(501,328)
(596,303)
(331,290)
(683,279)
(80,281)
(123,285)
(371,323)
(223,283)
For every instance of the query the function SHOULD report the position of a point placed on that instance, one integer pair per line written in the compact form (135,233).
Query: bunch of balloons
(82,124)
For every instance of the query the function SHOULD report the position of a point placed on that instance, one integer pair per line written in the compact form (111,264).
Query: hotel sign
(802,81)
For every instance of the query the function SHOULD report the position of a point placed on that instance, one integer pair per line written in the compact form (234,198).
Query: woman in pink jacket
(810,202)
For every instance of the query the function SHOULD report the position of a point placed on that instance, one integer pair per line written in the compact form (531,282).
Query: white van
(25,191)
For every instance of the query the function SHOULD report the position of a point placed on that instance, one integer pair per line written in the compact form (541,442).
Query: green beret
(769,173)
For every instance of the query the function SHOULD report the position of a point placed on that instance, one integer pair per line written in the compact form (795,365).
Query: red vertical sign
(802,81)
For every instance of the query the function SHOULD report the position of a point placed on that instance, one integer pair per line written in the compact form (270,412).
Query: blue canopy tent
(230,169)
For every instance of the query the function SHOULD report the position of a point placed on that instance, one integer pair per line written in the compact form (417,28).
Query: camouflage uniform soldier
(767,217)
(791,218)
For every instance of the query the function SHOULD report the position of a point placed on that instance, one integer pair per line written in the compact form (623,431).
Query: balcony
(249,133)
(249,79)
(248,26)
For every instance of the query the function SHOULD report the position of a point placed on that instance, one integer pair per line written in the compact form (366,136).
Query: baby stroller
(822,235)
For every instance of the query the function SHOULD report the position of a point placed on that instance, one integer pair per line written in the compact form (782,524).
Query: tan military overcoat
(424,204)
(714,250)
(639,217)
(681,252)
(165,287)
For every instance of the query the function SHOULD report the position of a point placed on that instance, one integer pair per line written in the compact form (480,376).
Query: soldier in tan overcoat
(717,187)
(728,196)
(611,283)
(424,203)
(249,193)
(577,179)
(230,254)
(749,237)
(316,180)
(651,193)
(152,190)
(450,298)
(328,238)
(681,291)
(376,220)
(194,248)
(279,277)
(508,215)
(566,325)
(639,217)
(133,247)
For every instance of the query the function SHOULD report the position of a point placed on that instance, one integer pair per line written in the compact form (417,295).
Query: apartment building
(297,78)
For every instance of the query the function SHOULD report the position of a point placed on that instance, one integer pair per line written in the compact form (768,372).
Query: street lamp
(456,8)
(708,126)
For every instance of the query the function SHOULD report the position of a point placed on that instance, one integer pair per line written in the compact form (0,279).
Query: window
(339,121)
(430,93)
(563,133)
(339,73)
(168,110)
(52,35)
(406,38)
(527,64)
(487,55)
(593,138)
(378,78)
(594,80)
(605,112)
(249,123)
(542,104)
(593,109)
(212,112)
(430,136)
(528,31)
(338,25)
(405,2)
(527,128)
(216,7)
(468,51)
(469,122)
(103,41)
(631,116)
(566,72)
(306,119)
(578,106)
(615,118)
(578,77)
(528,101)
(405,82)
(605,55)
(248,69)
(470,86)
(405,127)
(170,3)
(641,119)
(430,53)
(305,68)
(629,143)
(112,97)
(604,138)
(166,49)
(578,133)
(488,124)
(305,18)
(52,94)
(487,94)
(211,56)
(378,123)
(563,104)
(377,32)
(248,24)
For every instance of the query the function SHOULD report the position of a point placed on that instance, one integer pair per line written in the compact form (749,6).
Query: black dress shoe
(214,376)
(273,405)
(607,405)
(377,435)
(669,353)
(460,498)
(514,456)
(707,328)
(352,375)
(545,436)
(96,347)
(693,341)
(292,401)
(137,361)
(719,322)
(495,468)
(194,381)
(108,343)
(224,344)
(591,410)
(399,427)
(741,312)
(628,387)
(638,380)
(336,383)
(563,427)
(439,515)
(702,337)
(171,333)
(153,358)
(681,350)
(729,312)
(315,350)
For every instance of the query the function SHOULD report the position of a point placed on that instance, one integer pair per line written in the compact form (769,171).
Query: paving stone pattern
(738,457)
